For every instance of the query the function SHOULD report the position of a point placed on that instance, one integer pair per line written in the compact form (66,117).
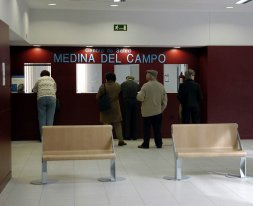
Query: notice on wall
(170,77)
(3,74)
(17,84)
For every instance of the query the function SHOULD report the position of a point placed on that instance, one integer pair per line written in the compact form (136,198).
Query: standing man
(154,101)
(190,97)
(129,90)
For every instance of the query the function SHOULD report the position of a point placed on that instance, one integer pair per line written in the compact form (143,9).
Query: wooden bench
(77,143)
(206,140)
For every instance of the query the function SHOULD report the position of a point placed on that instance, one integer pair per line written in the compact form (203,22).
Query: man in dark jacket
(190,97)
(129,90)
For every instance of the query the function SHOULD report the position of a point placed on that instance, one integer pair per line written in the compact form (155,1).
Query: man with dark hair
(113,115)
(129,89)
(190,97)
(154,101)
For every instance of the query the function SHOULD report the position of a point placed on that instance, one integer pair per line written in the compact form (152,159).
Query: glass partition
(32,73)
(88,78)
(171,74)
(124,70)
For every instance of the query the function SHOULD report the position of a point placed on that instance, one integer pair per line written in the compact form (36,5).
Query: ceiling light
(36,45)
(243,1)
(116,1)
(52,4)
(126,46)
(177,47)
(89,46)
(114,5)
(229,7)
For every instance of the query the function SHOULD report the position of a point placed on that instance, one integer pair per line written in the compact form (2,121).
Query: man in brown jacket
(113,115)
(154,101)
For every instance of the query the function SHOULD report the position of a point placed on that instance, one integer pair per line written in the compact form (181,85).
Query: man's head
(129,78)
(189,74)
(151,75)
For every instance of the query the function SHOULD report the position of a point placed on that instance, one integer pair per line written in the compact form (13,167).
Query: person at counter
(129,89)
(190,97)
(45,88)
(112,116)
(153,100)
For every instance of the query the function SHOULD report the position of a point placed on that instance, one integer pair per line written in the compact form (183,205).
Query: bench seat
(206,140)
(78,155)
(77,142)
(210,153)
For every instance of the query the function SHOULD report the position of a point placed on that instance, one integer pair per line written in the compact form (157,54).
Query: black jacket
(189,94)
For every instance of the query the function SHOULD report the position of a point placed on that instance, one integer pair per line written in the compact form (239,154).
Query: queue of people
(151,95)
(153,99)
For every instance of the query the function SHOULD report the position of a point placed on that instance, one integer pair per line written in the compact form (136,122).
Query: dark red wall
(82,108)
(229,87)
(5,109)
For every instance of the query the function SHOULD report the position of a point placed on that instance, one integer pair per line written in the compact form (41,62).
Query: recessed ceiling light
(89,46)
(114,5)
(115,1)
(229,7)
(36,45)
(243,1)
(177,47)
(52,4)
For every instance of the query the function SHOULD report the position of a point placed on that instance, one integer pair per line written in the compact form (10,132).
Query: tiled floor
(77,183)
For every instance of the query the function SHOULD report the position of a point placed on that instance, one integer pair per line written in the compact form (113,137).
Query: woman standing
(113,115)
(45,88)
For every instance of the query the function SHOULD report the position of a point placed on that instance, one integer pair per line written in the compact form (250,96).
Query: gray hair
(189,73)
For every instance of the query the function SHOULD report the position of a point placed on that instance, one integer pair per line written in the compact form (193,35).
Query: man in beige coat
(154,101)
(113,115)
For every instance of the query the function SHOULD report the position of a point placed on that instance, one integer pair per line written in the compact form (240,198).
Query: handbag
(104,101)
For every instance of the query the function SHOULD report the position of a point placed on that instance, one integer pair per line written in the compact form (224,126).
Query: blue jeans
(46,110)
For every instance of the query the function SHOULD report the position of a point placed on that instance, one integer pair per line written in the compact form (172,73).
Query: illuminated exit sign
(120,27)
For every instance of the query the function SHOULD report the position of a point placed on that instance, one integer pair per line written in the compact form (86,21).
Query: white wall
(57,27)
(15,13)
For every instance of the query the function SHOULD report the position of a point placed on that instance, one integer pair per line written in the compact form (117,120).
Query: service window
(32,73)
(88,78)
(124,70)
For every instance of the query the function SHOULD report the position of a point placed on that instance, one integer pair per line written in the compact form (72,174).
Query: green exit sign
(120,27)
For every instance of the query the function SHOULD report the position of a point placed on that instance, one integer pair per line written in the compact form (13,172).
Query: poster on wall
(17,84)
(170,79)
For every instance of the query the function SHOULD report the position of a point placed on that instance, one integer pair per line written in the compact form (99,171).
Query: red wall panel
(230,85)
(82,108)
(5,111)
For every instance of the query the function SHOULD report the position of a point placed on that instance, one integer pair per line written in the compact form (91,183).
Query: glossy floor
(77,183)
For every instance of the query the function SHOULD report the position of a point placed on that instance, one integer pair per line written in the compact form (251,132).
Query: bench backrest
(74,138)
(205,136)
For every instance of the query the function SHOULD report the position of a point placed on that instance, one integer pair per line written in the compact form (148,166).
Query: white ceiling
(143,5)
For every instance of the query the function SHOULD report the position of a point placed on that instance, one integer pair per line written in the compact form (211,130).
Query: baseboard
(5,181)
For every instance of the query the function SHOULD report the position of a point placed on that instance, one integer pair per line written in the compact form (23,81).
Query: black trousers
(156,123)
(190,115)
(130,110)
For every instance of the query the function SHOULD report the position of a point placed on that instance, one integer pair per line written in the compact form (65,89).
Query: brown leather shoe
(122,143)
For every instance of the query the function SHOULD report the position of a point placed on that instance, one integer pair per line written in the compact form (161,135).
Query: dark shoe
(142,147)
(159,147)
(122,143)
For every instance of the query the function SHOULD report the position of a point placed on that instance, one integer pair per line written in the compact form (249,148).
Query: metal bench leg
(113,177)
(243,167)
(178,168)
(113,170)
(44,172)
